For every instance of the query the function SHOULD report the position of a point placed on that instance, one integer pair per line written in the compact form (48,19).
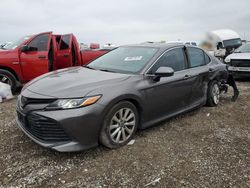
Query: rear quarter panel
(219,70)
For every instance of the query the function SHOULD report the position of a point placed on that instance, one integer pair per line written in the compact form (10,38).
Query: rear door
(64,52)
(199,73)
(76,55)
(35,61)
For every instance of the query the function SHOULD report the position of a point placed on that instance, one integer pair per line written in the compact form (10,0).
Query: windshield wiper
(89,67)
(105,70)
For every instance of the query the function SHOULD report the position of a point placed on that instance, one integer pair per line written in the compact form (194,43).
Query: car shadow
(243,79)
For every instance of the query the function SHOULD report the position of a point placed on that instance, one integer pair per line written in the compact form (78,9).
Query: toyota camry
(107,101)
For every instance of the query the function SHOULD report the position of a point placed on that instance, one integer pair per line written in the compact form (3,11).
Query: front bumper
(239,71)
(81,125)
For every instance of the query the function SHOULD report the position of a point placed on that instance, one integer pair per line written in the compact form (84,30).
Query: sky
(123,21)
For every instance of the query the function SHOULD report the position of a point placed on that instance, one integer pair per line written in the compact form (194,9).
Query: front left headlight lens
(61,104)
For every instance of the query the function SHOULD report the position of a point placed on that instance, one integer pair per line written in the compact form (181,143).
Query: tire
(8,78)
(116,130)
(213,93)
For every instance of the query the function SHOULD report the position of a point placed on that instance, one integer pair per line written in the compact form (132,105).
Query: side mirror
(24,48)
(163,72)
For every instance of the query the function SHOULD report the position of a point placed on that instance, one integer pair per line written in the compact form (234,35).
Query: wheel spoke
(131,123)
(130,117)
(129,131)
(115,119)
(123,134)
(126,113)
(115,132)
(114,126)
(120,113)
(118,137)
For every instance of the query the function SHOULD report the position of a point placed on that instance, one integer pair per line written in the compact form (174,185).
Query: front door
(35,61)
(170,95)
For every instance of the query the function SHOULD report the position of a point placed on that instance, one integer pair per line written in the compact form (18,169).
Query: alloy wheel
(122,125)
(216,93)
(5,79)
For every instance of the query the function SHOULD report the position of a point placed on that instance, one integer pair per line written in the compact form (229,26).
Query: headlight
(61,104)
(227,60)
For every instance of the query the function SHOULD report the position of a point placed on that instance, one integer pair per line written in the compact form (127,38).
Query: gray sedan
(130,88)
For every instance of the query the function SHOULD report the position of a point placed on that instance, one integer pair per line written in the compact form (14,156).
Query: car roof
(162,46)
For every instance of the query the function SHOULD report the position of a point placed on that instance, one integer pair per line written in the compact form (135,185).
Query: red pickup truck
(34,55)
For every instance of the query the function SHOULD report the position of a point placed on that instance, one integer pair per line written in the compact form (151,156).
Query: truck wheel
(120,125)
(213,93)
(8,78)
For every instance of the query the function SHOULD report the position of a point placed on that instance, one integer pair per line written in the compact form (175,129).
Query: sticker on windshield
(136,58)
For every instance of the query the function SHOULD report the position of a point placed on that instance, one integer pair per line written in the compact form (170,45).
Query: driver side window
(174,58)
(39,43)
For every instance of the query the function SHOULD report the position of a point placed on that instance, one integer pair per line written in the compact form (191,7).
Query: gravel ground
(209,147)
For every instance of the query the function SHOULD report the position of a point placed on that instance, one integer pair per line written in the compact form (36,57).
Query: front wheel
(8,78)
(120,125)
(213,93)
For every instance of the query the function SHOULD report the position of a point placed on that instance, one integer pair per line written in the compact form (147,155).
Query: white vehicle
(83,46)
(221,43)
(109,46)
(192,43)
(239,61)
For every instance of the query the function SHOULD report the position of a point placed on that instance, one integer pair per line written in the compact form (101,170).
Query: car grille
(25,101)
(42,128)
(240,63)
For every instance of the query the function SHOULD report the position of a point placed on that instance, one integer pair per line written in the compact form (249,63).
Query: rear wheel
(213,94)
(8,78)
(120,125)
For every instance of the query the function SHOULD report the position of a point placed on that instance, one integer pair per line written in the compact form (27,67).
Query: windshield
(245,48)
(232,43)
(124,59)
(14,44)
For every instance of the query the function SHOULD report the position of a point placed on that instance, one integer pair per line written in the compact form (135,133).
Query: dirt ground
(209,147)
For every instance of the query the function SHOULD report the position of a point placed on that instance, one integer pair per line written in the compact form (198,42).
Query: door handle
(211,70)
(186,77)
(42,57)
(65,55)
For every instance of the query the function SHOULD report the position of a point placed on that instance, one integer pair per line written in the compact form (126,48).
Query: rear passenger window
(174,58)
(207,58)
(65,42)
(196,57)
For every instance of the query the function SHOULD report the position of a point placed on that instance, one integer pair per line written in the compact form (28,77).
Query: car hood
(73,82)
(5,52)
(239,56)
